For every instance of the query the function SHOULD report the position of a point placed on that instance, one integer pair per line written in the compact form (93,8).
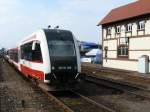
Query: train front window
(61,48)
(60,43)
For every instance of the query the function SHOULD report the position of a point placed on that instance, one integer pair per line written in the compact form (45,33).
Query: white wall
(135,45)
(122,31)
(134,29)
(137,54)
(113,32)
(139,43)
(112,47)
(126,65)
(104,33)
(147,25)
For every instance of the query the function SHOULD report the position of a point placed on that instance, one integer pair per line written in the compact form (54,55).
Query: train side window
(21,50)
(36,53)
(26,51)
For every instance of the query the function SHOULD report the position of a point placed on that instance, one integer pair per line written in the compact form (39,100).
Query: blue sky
(19,18)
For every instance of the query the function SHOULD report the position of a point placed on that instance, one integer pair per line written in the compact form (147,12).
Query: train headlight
(53,68)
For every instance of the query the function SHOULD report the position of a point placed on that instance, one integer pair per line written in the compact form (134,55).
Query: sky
(19,18)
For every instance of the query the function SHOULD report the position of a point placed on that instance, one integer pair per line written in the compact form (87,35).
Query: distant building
(126,35)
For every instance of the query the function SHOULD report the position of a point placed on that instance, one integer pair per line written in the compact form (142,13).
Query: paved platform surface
(123,76)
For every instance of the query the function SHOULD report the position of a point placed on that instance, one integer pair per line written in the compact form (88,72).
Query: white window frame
(118,29)
(129,27)
(141,25)
(123,51)
(109,31)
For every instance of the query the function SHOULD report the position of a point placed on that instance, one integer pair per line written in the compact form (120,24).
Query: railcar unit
(12,56)
(48,55)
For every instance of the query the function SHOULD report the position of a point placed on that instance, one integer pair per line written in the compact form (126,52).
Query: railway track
(75,101)
(122,76)
(39,89)
(78,102)
(96,103)
(99,68)
(57,101)
(27,97)
(70,101)
(138,92)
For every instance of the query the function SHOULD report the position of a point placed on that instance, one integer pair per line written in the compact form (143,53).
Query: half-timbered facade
(126,35)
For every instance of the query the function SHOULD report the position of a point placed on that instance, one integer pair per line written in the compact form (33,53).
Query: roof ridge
(126,5)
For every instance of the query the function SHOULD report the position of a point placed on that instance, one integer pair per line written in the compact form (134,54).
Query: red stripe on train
(33,73)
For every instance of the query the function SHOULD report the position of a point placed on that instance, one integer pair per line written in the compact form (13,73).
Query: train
(48,56)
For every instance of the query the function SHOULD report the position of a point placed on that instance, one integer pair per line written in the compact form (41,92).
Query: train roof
(56,30)
(32,36)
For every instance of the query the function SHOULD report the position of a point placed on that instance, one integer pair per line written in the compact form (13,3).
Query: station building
(126,35)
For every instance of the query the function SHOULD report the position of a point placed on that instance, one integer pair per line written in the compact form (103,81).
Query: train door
(36,63)
(31,60)
(36,52)
(26,57)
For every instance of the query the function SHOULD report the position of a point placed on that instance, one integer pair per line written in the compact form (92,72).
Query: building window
(118,29)
(109,31)
(123,51)
(123,48)
(129,27)
(141,25)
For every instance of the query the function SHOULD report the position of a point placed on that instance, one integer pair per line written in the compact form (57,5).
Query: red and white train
(47,55)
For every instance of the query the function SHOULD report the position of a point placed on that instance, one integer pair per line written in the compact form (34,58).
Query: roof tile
(138,8)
